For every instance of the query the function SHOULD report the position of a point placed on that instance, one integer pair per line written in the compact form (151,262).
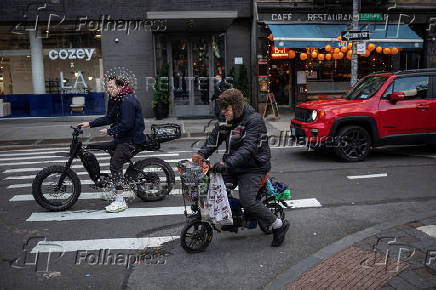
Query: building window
(66,64)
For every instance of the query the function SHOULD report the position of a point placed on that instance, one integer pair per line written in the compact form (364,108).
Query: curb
(290,275)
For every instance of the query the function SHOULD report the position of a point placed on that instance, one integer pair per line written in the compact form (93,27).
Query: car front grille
(303,115)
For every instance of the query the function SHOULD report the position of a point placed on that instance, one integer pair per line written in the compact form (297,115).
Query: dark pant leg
(248,187)
(230,181)
(123,152)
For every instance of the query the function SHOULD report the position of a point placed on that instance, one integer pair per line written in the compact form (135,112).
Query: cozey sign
(71,53)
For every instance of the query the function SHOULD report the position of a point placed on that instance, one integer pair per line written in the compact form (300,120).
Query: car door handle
(422,107)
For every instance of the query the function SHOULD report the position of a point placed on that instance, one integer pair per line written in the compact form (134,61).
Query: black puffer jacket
(246,140)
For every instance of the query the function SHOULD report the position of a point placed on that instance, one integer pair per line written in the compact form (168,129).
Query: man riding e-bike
(247,158)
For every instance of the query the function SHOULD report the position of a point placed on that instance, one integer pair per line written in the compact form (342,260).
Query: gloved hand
(224,127)
(197,157)
(220,167)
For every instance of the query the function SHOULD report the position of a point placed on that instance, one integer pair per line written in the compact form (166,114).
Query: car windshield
(366,88)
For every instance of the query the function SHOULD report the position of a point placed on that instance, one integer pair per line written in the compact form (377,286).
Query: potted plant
(161,97)
(240,81)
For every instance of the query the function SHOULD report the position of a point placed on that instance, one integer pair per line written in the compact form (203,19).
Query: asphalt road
(398,182)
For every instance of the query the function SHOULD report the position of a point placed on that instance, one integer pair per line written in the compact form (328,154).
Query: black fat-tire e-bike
(58,187)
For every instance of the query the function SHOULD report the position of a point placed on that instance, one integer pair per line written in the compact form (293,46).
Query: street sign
(361,47)
(354,35)
(370,17)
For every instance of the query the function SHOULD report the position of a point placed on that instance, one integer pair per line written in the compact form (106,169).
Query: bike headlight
(314,114)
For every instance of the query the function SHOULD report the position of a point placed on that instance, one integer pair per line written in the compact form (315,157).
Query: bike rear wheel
(48,195)
(196,236)
(278,211)
(152,180)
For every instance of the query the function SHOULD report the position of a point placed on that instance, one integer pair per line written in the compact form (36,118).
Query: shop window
(72,66)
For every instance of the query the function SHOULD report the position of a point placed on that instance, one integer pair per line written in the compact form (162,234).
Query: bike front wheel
(49,195)
(196,236)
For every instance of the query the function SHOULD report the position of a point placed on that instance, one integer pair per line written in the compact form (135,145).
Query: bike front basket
(165,132)
(194,179)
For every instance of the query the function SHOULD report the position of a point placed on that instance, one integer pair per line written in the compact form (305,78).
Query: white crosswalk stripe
(77,166)
(76,160)
(102,214)
(32,153)
(83,195)
(23,177)
(106,156)
(40,149)
(83,182)
(99,244)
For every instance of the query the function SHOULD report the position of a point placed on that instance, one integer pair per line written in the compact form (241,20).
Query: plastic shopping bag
(219,208)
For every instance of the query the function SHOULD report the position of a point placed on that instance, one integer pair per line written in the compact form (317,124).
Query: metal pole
(253,56)
(354,58)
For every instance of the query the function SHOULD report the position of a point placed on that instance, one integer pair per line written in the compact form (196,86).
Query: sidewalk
(399,255)
(17,132)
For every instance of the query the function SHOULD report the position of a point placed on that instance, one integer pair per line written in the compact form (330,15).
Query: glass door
(191,70)
(180,72)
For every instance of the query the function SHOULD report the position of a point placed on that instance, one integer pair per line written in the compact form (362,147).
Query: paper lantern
(394,50)
(314,54)
(371,46)
(337,50)
(367,53)
(303,56)
(379,49)
(340,55)
(349,53)
(344,49)
(291,54)
(328,56)
(271,37)
(386,51)
(350,45)
(321,56)
(328,48)
(339,38)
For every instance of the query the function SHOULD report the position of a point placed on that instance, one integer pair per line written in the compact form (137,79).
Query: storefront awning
(400,36)
(318,36)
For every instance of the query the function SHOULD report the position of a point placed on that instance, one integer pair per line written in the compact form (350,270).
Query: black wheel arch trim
(358,119)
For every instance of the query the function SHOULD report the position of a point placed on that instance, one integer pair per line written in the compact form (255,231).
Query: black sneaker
(279,234)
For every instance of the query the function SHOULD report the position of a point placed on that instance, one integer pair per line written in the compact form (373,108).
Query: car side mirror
(396,96)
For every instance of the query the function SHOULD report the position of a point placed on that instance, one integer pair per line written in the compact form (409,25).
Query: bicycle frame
(77,150)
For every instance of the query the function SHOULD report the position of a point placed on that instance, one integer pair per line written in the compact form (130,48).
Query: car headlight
(314,114)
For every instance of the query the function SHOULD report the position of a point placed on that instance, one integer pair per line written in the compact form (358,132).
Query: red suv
(381,109)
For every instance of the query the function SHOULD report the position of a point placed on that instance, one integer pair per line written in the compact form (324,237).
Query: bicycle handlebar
(77,130)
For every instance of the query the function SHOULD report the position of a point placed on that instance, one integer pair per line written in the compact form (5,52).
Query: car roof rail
(380,72)
(415,71)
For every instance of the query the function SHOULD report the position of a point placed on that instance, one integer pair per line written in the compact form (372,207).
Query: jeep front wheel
(352,143)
